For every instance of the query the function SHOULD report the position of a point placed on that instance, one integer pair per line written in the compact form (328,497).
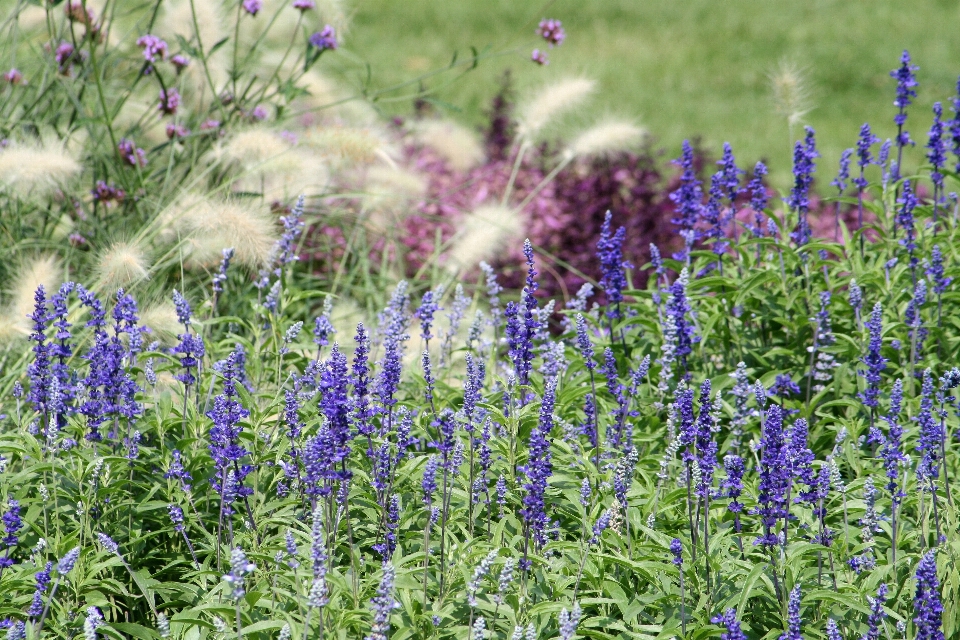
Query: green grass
(696,67)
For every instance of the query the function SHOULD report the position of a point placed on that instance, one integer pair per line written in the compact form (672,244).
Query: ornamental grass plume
(791,93)
(41,270)
(606,138)
(483,235)
(453,142)
(208,226)
(550,103)
(35,170)
(124,264)
(160,320)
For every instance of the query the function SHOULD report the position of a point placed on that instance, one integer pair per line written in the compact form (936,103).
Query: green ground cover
(687,68)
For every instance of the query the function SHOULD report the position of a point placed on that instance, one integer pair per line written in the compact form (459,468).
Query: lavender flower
(569,621)
(935,271)
(891,452)
(904,219)
(323,327)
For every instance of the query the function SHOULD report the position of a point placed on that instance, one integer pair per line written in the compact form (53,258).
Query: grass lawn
(681,68)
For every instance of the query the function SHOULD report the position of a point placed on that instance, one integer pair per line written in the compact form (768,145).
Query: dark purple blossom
(131,154)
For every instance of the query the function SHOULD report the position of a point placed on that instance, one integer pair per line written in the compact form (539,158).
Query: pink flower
(539,57)
(252,6)
(131,154)
(169,101)
(152,47)
(180,61)
(13,76)
(177,130)
(552,31)
(303,5)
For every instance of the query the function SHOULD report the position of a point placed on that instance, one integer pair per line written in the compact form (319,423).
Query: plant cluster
(760,442)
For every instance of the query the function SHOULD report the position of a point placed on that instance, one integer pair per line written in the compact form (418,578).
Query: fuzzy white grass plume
(791,95)
(35,170)
(553,101)
(122,265)
(606,138)
(161,319)
(212,26)
(209,226)
(41,270)
(253,148)
(351,146)
(484,234)
(455,143)
(275,165)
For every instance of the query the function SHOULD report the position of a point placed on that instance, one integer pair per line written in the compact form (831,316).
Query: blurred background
(681,69)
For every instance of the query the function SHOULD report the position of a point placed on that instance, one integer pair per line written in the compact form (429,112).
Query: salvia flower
(931,435)
(804,155)
(240,566)
(90,624)
(383,605)
(906,90)
(840,182)
(758,198)
(774,477)
(937,149)
(875,619)
(42,579)
(935,270)
(688,197)
(221,276)
(676,548)
(729,620)
(108,543)
(569,621)
(873,361)
(68,561)
(794,622)
(539,469)
(927,606)
(610,253)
